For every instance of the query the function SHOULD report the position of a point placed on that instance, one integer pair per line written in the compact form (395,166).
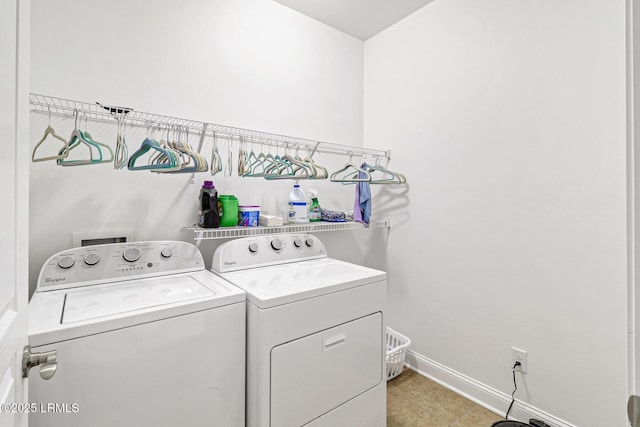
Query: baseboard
(485,396)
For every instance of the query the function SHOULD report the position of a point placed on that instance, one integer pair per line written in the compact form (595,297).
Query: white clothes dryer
(315,333)
(136,334)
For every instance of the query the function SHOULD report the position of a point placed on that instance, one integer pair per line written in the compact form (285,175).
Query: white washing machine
(315,333)
(136,334)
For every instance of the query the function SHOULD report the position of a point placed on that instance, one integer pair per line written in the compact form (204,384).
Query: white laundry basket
(397,345)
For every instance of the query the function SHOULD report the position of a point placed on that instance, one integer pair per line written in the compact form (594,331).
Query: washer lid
(281,284)
(106,301)
(65,314)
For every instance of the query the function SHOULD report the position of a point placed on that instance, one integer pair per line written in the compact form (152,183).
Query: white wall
(508,119)
(253,64)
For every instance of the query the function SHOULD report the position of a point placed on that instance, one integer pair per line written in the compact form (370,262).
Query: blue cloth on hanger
(362,203)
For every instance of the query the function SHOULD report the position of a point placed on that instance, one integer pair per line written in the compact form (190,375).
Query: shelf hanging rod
(108,114)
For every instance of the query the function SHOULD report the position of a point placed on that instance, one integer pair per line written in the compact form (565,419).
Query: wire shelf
(230,232)
(104,113)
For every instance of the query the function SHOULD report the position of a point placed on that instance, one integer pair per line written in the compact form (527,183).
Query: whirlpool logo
(55,279)
(230,262)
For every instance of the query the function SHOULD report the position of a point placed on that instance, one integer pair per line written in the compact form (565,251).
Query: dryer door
(317,373)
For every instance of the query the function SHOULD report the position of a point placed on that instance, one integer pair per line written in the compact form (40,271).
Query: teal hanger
(87,136)
(351,177)
(253,162)
(391,178)
(294,165)
(76,139)
(151,145)
(190,161)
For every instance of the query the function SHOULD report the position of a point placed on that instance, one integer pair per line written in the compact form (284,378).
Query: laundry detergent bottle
(315,212)
(298,210)
(208,212)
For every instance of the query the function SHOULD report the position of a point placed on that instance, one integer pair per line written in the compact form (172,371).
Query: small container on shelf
(248,216)
(229,208)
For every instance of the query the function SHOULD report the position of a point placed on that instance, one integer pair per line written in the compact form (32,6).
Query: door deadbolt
(46,361)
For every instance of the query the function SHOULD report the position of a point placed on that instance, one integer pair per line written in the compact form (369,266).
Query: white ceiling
(360,18)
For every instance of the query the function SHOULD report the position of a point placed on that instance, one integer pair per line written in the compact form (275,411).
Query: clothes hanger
(393,177)
(122,152)
(171,160)
(352,174)
(253,161)
(75,140)
(278,167)
(148,145)
(216,161)
(275,166)
(318,171)
(168,158)
(87,136)
(196,160)
(256,161)
(268,161)
(244,165)
(300,164)
(50,131)
(288,164)
(151,145)
(178,154)
(321,171)
(228,168)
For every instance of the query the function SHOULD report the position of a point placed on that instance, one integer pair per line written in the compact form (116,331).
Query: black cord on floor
(513,399)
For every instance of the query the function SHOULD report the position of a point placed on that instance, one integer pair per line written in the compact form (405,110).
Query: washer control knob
(131,254)
(276,244)
(297,242)
(309,242)
(253,247)
(66,262)
(92,259)
(166,252)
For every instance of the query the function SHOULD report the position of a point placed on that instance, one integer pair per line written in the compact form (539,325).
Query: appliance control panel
(92,265)
(261,251)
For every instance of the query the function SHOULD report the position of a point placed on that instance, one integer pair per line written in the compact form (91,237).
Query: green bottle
(315,213)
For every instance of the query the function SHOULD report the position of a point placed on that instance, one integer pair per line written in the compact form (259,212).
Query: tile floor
(416,401)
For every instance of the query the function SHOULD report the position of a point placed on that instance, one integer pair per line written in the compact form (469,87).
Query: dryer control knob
(66,262)
(166,252)
(131,254)
(253,247)
(309,242)
(276,244)
(92,259)
(297,242)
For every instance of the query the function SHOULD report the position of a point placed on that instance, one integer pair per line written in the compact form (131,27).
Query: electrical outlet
(518,355)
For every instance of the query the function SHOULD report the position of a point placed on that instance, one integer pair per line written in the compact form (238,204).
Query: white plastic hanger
(50,131)
(122,152)
(216,160)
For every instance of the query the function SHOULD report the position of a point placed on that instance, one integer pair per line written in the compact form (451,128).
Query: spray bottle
(315,213)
